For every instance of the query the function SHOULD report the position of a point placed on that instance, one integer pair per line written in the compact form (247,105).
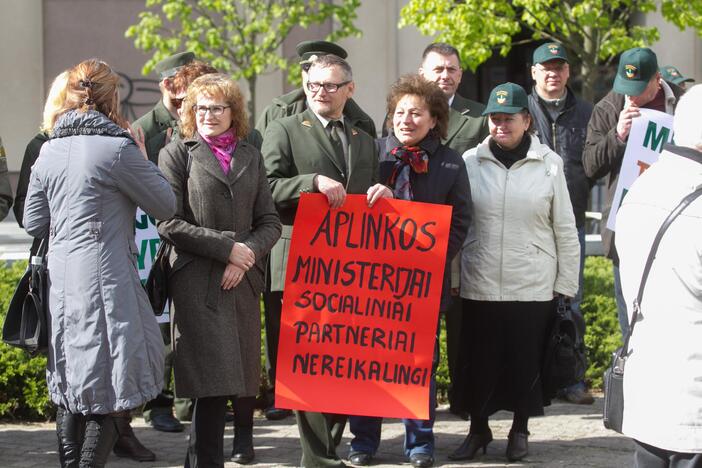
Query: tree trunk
(589,67)
(252,101)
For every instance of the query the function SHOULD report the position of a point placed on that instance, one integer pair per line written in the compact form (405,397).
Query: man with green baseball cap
(638,84)
(673,75)
(560,122)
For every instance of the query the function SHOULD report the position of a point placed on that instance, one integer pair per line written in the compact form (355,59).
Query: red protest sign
(360,307)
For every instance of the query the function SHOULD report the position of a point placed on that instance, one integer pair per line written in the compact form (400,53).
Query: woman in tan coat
(225,224)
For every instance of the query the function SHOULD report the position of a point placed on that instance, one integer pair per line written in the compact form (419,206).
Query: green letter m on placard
(655,139)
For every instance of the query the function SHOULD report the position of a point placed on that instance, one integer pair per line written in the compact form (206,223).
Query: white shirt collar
(451,100)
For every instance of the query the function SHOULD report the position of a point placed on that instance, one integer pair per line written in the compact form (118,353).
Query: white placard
(649,132)
(147,241)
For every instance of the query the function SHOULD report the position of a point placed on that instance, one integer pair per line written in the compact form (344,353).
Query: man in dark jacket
(638,84)
(561,121)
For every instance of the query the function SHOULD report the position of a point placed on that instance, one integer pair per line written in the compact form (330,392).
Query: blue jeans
(621,303)
(419,433)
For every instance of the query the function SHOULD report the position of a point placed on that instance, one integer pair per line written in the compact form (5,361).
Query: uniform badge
(501,96)
(630,71)
(553,48)
(306,123)
(354,132)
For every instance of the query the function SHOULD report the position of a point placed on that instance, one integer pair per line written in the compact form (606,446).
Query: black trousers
(206,445)
(648,456)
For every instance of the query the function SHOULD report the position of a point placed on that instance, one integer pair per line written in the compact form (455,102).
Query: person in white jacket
(521,252)
(663,374)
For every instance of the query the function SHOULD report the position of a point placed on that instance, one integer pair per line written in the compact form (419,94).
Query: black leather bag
(157,282)
(613,411)
(564,357)
(27,324)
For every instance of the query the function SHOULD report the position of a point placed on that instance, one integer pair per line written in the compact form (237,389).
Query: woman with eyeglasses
(225,224)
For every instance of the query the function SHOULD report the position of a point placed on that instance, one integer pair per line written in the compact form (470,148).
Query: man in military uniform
(296,102)
(5,188)
(467,127)
(318,150)
(158,126)
(159,123)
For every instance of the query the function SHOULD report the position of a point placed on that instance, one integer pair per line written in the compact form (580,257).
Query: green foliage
(23,393)
(239,37)
(600,311)
(592,30)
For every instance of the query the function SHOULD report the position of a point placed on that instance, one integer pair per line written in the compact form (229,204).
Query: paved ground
(569,436)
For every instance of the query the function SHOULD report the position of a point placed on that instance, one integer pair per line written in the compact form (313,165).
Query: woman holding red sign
(521,252)
(417,167)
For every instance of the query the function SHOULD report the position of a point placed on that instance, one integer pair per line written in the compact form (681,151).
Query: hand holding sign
(377,192)
(333,190)
(626,118)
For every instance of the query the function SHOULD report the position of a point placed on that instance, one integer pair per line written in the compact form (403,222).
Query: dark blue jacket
(566,137)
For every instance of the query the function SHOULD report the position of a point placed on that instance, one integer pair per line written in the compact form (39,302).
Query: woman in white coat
(663,374)
(521,252)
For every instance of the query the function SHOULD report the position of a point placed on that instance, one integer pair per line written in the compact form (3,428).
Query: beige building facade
(41,38)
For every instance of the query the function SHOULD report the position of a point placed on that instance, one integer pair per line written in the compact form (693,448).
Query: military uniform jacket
(295,150)
(155,125)
(295,102)
(467,126)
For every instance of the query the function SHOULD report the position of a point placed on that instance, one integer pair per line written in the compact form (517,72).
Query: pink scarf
(223,146)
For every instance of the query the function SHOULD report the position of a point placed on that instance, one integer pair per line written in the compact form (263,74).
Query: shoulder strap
(649,261)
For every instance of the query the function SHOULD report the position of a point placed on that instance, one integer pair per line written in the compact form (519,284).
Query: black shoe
(127,445)
(464,415)
(421,460)
(577,396)
(517,446)
(276,414)
(360,458)
(165,422)
(242,450)
(471,445)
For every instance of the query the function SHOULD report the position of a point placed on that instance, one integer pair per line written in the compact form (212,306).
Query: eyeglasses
(177,102)
(214,110)
(328,87)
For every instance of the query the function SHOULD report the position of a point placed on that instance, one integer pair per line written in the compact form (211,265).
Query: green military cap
(507,98)
(307,49)
(636,68)
(673,75)
(168,67)
(549,51)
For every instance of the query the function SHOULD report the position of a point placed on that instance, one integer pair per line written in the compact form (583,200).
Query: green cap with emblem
(673,75)
(507,98)
(168,67)
(636,68)
(307,49)
(549,51)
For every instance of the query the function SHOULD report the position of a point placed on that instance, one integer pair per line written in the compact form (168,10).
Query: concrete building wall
(683,49)
(22,77)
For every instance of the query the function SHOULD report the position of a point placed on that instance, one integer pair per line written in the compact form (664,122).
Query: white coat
(522,244)
(663,375)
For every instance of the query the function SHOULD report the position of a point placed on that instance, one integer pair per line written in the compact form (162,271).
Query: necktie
(335,127)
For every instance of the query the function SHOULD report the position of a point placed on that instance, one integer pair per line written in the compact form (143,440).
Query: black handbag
(565,361)
(28,321)
(613,411)
(157,282)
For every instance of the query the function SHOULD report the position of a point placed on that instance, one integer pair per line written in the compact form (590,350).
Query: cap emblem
(501,96)
(630,71)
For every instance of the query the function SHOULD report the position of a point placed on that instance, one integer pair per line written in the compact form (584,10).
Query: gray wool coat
(106,351)
(216,334)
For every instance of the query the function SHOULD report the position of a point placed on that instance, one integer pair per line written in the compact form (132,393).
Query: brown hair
(92,85)
(215,85)
(429,92)
(187,74)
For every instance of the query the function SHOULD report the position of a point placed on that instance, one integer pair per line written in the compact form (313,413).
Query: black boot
(100,436)
(127,445)
(243,451)
(69,431)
